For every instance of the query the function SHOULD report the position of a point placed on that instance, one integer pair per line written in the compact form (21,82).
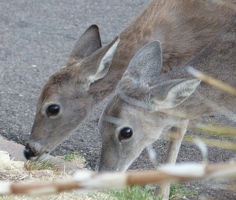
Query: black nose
(28,153)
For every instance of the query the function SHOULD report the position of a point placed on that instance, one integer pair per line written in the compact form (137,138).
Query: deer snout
(28,153)
(32,150)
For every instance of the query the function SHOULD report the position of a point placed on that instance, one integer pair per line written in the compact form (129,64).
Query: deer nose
(29,152)
(32,150)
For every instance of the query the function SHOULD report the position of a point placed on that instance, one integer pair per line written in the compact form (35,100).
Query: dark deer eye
(53,110)
(125,133)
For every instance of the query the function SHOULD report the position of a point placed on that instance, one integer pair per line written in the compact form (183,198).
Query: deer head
(135,117)
(66,99)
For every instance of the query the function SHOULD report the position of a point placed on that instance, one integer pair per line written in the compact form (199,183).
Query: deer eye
(125,133)
(52,110)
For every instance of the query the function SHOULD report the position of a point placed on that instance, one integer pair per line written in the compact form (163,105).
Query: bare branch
(86,180)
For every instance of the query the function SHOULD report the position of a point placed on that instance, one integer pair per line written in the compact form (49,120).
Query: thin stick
(213,142)
(212,81)
(212,129)
(91,181)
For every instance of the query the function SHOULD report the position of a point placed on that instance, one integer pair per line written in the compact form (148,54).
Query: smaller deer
(145,103)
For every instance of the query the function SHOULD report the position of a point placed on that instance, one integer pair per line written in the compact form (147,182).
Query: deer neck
(218,61)
(179,27)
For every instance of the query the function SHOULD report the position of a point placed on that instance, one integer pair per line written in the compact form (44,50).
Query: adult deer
(92,72)
(146,103)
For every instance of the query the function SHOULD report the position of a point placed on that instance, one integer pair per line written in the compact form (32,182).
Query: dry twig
(90,181)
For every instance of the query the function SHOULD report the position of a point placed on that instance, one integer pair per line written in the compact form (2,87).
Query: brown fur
(184,28)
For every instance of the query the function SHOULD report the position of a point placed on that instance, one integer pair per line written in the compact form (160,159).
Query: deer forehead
(56,92)
(140,118)
(65,83)
(116,115)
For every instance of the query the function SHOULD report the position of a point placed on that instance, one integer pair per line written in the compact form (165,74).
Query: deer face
(130,123)
(126,130)
(136,116)
(60,110)
(66,98)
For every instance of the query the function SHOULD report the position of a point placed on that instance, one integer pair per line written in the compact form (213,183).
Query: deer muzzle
(33,151)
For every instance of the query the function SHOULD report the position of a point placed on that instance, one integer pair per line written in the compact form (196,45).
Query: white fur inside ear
(105,63)
(177,94)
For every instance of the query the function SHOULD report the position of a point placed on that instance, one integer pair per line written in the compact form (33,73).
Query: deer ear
(105,61)
(146,64)
(87,44)
(173,93)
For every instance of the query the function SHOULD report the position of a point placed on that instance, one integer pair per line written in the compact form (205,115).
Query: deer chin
(43,156)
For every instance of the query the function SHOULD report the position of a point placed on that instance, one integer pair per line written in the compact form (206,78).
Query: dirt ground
(36,38)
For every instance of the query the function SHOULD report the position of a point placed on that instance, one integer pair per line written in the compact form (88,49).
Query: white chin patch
(44,156)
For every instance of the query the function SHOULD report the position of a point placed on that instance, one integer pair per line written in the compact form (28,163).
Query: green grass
(145,193)
(71,157)
(135,193)
(178,191)
(76,159)
(39,165)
